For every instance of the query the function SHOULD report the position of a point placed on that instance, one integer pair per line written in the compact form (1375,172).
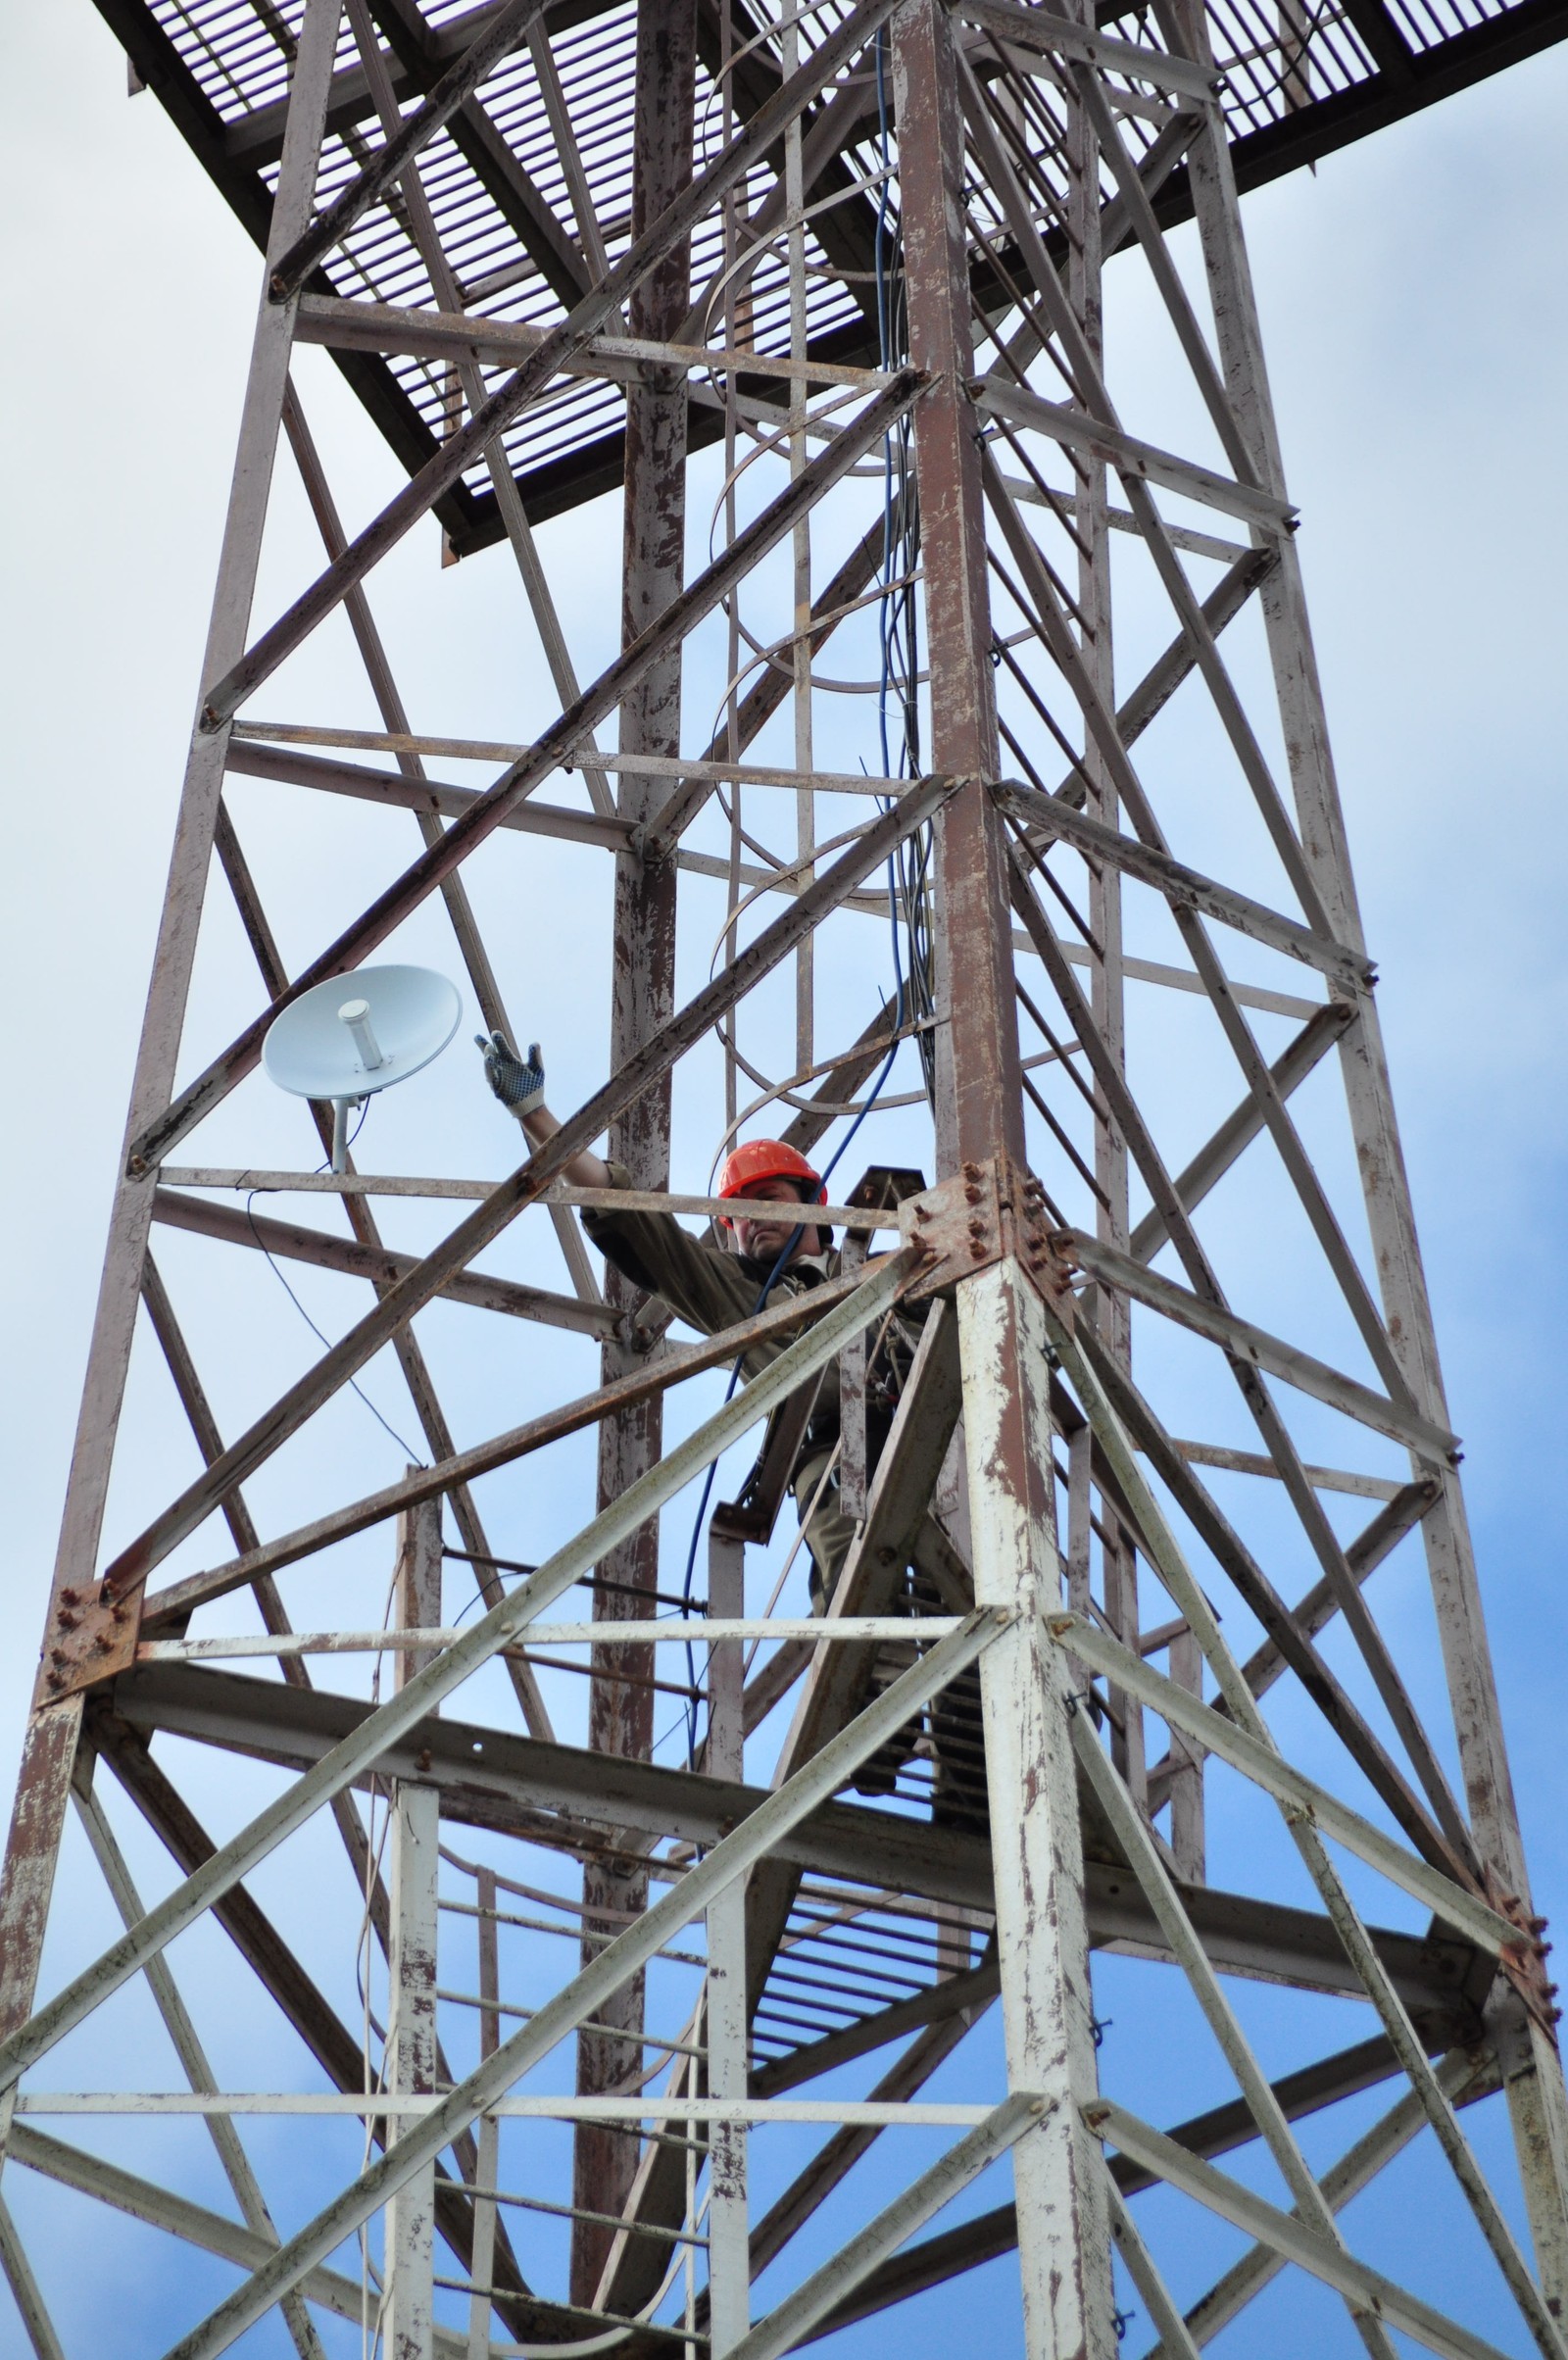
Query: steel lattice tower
(844,263)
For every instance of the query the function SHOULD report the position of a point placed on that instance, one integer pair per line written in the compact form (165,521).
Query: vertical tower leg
(643,997)
(411,2027)
(1064,2238)
(1112,1311)
(487,2161)
(728,2242)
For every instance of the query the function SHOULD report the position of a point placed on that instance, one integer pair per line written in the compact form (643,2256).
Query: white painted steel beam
(26,2291)
(1289,2237)
(385,2105)
(604,1975)
(1303,1814)
(1461,2074)
(410,2063)
(1138,1841)
(729,2273)
(423,1694)
(677,1630)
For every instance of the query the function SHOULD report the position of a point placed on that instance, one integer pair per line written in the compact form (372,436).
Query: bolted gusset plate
(89,1638)
(985,1212)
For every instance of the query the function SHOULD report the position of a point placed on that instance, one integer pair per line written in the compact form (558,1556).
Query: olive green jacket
(702,1283)
(710,1288)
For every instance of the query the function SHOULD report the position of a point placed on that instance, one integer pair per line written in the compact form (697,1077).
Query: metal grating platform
(530,185)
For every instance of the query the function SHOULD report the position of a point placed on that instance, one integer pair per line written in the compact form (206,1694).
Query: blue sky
(1417,326)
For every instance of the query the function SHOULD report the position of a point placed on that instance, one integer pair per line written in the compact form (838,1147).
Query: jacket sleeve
(701,1283)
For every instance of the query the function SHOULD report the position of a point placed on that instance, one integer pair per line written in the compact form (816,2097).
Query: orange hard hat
(761,1159)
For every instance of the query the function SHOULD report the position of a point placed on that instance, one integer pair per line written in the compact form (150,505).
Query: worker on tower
(713,1287)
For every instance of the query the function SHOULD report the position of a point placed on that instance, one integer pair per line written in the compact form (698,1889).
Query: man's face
(764,1240)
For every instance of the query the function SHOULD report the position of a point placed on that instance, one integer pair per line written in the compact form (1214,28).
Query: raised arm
(520,1087)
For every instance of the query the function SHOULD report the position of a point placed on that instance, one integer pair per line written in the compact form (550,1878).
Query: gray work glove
(520,1087)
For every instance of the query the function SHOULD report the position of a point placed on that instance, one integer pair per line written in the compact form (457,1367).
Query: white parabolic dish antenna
(358,1033)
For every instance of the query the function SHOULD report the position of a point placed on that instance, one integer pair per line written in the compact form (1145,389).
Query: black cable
(353,1386)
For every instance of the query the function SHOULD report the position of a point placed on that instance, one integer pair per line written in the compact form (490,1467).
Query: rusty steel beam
(575,1799)
(1449,1839)
(985,242)
(361,1218)
(180,1600)
(761,703)
(642,952)
(644,256)
(1041,1935)
(233,1226)
(1317,1036)
(558,749)
(49,1745)
(235,153)
(495,165)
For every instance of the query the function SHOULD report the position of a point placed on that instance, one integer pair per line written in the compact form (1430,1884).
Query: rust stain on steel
(560,747)
(1524,1962)
(621,1697)
(560,344)
(985,1211)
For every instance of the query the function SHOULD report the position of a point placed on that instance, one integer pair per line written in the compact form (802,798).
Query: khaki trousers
(829,1531)
(951,1728)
